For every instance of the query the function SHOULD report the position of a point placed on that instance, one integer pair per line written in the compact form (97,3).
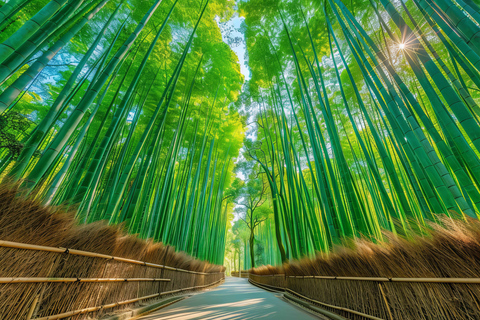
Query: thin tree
(253,213)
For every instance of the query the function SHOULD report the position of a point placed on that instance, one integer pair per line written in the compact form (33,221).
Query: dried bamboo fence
(116,282)
(244,274)
(436,276)
(52,268)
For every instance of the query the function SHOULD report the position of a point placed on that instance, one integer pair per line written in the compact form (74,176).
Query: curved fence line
(113,305)
(70,280)
(56,288)
(364,315)
(382,279)
(18,245)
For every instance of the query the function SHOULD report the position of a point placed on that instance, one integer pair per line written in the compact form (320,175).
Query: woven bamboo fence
(436,276)
(77,283)
(244,274)
(53,268)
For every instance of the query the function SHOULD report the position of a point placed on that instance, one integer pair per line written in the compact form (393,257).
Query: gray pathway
(235,299)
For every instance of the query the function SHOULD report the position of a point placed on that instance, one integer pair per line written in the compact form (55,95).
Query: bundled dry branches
(27,221)
(449,250)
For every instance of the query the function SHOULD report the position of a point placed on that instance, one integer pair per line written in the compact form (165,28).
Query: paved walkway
(235,299)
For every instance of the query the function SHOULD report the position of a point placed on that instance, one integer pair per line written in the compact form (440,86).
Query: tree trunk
(252,255)
(239,261)
(234,260)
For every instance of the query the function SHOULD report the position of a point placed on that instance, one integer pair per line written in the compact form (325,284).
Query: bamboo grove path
(235,299)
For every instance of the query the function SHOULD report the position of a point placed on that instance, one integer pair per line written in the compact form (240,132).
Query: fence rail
(57,288)
(363,315)
(116,304)
(18,245)
(68,280)
(382,279)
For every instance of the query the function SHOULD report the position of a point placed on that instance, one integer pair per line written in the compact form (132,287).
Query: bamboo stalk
(18,245)
(116,304)
(70,280)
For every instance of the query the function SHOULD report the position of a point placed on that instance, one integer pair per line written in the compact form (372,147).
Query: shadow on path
(235,299)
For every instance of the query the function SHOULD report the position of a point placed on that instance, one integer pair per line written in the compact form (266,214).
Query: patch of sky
(51,74)
(233,35)
(130,116)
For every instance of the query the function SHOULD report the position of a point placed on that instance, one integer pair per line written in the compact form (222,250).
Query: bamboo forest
(253,138)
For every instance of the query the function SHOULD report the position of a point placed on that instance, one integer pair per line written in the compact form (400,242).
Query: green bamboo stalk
(173,81)
(72,121)
(29,28)
(12,92)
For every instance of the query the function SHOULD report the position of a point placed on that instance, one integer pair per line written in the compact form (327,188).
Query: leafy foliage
(12,126)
